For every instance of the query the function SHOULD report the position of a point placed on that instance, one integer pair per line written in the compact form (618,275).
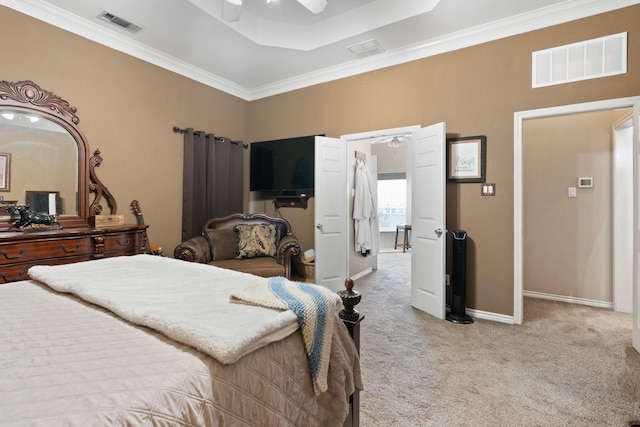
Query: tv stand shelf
(291,201)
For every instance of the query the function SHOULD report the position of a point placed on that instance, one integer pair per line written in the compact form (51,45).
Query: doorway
(568,215)
(519,119)
(358,141)
(426,158)
(393,191)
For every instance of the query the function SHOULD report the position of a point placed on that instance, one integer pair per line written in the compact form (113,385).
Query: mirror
(43,155)
(41,167)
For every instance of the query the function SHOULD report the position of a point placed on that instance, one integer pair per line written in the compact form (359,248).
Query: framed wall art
(466,158)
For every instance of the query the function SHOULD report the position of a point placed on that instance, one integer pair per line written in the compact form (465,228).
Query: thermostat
(585,182)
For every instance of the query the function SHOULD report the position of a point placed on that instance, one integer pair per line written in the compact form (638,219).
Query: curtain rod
(176,129)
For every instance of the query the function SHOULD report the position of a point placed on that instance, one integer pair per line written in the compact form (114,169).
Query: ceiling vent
(367,48)
(120,22)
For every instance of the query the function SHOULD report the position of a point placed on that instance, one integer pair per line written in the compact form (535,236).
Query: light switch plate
(572,192)
(488,189)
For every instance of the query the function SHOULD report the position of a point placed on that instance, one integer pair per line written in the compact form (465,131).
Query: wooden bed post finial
(350,299)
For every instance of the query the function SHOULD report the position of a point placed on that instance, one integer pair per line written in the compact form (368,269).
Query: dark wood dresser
(53,176)
(21,250)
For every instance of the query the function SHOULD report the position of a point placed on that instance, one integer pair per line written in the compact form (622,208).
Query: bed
(134,341)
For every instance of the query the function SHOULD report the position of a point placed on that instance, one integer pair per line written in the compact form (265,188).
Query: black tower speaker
(457,313)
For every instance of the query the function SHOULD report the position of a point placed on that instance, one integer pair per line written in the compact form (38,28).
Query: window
(392,201)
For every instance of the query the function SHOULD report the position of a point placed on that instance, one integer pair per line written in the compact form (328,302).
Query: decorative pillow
(256,240)
(224,243)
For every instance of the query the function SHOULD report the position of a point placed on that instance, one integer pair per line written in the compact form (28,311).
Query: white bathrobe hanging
(363,210)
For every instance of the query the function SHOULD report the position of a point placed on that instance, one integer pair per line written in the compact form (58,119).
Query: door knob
(438,232)
(319,227)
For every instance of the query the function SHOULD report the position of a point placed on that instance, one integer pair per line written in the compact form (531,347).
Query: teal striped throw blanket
(316,308)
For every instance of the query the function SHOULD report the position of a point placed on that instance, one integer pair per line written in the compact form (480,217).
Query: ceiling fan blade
(314,6)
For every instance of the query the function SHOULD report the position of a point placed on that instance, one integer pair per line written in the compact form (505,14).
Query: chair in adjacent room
(406,231)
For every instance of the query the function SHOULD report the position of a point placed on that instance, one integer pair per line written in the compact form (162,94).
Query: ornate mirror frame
(27,97)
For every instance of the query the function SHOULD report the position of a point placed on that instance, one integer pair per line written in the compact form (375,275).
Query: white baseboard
(571,300)
(361,274)
(503,318)
(486,315)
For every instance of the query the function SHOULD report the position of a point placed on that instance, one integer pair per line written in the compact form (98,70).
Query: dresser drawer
(19,252)
(19,271)
(124,243)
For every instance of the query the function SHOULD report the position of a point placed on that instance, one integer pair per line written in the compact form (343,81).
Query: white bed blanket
(187,302)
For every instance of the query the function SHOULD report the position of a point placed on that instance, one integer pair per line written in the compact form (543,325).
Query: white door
(428,216)
(330,182)
(636,226)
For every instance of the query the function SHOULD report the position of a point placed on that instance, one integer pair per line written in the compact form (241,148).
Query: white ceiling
(282,46)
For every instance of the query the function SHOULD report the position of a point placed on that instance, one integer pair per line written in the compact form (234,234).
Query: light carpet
(567,365)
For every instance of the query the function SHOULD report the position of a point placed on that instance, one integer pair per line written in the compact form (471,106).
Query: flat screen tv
(283,166)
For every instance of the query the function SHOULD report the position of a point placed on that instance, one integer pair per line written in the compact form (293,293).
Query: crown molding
(106,37)
(523,23)
(541,18)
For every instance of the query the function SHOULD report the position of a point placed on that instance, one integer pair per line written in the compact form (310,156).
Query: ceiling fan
(393,141)
(231,8)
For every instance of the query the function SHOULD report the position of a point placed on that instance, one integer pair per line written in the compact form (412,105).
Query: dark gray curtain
(212,181)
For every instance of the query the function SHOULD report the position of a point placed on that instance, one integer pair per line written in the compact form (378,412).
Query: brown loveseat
(251,243)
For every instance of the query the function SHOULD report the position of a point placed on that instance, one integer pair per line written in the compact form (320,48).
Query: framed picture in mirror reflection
(5,171)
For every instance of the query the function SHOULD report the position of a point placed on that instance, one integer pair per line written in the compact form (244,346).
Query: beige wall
(390,160)
(568,241)
(127,109)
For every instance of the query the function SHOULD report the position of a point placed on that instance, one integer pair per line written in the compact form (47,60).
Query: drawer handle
(123,243)
(70,251)
(21,273)
(22,251)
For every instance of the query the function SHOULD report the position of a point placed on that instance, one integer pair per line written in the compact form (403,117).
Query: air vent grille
(366,48)
(590,59)
(120,22)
